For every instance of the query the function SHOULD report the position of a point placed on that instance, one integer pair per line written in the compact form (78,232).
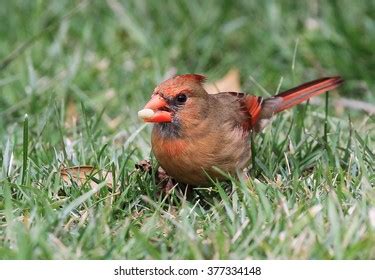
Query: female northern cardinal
(195,131)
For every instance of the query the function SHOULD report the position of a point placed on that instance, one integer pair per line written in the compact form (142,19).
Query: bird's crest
(193,77)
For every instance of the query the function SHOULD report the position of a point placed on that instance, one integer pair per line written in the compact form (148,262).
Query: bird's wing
(239,107)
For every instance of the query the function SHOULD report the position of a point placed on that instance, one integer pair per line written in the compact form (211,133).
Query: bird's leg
(162,179)
(244,174)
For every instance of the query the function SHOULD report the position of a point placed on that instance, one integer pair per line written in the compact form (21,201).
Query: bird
(199,137)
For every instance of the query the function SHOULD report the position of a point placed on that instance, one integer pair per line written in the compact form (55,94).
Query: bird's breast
(189,159)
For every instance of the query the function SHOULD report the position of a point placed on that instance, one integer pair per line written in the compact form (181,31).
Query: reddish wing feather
(254,107)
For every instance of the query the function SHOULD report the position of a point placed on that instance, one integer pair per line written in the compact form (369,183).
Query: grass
(74,75)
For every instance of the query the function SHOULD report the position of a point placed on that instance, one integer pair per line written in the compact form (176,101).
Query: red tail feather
(262,110)
(305,91)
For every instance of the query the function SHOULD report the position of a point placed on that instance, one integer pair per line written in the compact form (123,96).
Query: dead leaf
(113,123)
(110,94)
(230,82)
(86,174)
(26,219)
(102,64)
(71,116)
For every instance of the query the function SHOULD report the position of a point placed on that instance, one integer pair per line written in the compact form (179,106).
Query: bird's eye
(181,98)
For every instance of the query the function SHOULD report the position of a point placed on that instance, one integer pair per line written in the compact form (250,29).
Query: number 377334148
(234,270)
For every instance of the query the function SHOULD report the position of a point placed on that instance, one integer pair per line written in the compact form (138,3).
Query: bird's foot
(162,179)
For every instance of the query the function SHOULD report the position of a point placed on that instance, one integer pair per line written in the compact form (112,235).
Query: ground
(73,75)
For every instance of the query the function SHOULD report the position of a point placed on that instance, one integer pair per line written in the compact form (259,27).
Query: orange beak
(156,110)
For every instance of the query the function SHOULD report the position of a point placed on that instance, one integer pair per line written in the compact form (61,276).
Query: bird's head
(178,98)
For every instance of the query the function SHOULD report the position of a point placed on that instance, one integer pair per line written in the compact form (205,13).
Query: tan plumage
(195,132)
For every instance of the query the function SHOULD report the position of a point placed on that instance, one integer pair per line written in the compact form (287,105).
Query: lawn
(73,75)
